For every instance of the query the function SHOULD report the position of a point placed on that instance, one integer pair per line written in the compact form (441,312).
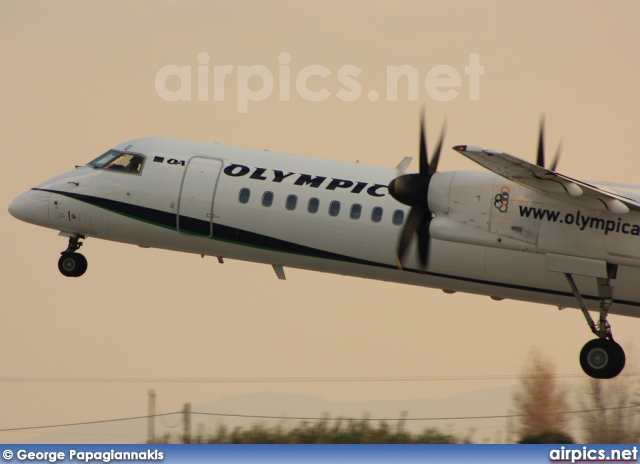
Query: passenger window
(376,214)
(291,202)
(244,195)
(334,208)
(267,199)
(398,217)
(313,205)
(356,211)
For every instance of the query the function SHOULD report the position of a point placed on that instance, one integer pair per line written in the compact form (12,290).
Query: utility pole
(186,418)
(509,427)
(151,420)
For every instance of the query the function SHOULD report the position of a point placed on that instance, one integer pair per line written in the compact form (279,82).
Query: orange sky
(78,77)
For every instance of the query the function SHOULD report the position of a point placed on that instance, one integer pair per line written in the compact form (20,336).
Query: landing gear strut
(601,358)
(72,264)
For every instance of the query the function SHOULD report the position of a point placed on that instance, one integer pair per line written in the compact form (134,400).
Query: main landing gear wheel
(602,358)
(72,264)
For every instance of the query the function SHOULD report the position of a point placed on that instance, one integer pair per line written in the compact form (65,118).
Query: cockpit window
(115,160)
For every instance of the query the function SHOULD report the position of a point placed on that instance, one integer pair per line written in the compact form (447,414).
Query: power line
(387,419)
(250,416)
(14,429)
(456,378)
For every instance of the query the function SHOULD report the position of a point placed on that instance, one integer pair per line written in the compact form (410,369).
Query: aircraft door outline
(196,202)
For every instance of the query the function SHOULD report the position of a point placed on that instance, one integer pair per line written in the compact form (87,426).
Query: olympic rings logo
(501,200)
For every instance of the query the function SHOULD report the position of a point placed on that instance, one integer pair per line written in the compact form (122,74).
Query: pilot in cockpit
(134,165)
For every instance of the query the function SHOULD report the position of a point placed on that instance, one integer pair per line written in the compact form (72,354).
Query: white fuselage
(259,206)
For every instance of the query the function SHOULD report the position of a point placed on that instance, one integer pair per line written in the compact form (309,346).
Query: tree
(546,438)
(540,402)
(326,431)
(614,411)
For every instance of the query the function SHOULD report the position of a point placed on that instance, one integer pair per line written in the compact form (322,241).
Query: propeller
(540,157)
(412,190)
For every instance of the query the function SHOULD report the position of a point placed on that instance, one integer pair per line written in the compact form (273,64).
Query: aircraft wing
(547,181)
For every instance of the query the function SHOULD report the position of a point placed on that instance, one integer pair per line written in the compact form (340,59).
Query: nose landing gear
(72,264)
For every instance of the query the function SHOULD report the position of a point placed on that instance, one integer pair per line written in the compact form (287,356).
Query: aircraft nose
(18,207)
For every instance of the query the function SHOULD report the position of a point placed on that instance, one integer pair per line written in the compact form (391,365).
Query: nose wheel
(72,264)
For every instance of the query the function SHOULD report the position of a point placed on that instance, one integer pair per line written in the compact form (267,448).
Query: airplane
(516,230)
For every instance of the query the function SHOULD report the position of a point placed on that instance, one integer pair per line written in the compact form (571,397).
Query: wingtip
(468,148)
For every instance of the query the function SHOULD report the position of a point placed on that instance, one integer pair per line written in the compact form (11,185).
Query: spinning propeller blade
(540,158)
(412,190)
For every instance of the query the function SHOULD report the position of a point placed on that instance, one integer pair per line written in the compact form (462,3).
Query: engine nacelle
(443,228)
(481,208)
(469,207)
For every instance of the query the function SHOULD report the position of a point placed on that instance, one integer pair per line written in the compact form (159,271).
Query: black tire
(621,359)
(602,359)
(72,264)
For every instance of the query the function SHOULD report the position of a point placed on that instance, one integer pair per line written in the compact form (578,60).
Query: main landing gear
(72,264)
(601,358)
